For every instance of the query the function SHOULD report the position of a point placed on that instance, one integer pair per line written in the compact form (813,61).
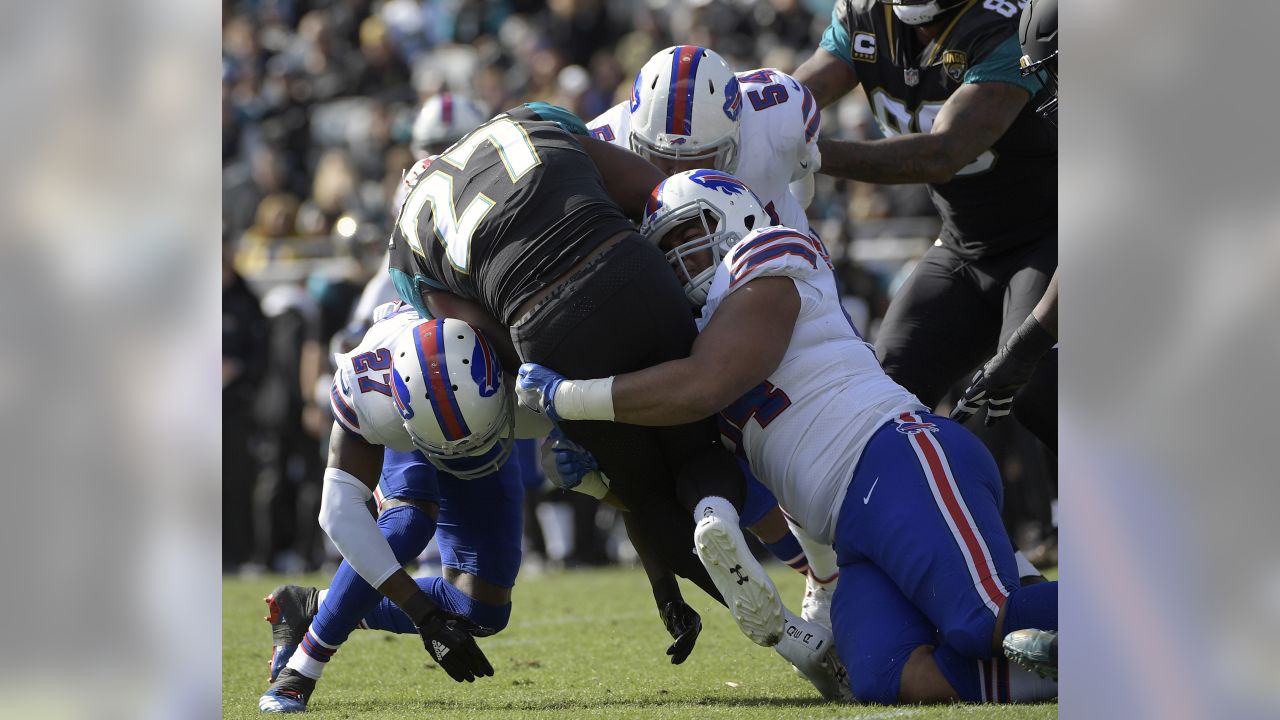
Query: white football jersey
(804,428)
(361,398)
(778,141)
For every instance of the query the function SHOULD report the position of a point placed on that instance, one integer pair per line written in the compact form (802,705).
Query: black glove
(446,641)
(1003,375)
(684,624)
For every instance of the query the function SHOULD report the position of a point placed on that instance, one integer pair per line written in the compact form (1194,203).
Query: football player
(689,110)
(523,228)
(445,473)
(944,87)
(1027,357)
(929,584)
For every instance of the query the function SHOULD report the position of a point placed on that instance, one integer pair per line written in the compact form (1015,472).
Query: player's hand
(452,647)
(684,624)
(565,462)
(994,386)
(536,389)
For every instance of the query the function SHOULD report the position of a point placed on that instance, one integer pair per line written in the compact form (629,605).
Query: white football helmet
(442,121)
(685,105)
(727,209)
(448,387)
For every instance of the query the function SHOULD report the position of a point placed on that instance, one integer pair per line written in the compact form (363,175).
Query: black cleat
(289,610)
(289,693)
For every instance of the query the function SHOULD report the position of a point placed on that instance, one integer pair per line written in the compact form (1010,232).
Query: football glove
(1000,379)
(446,641)
(565,462)
(684,624)
(536,389)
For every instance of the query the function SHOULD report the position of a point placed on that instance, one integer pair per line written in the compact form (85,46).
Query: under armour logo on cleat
(439,650)
(737,570)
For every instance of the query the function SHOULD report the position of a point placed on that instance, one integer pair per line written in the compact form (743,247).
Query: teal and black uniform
(998,244)
(507,209)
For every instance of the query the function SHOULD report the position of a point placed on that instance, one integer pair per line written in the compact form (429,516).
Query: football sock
(994,680)
(717,505)
(1032,606)
(490,618)
(821,557)
(350,598)
(788,550)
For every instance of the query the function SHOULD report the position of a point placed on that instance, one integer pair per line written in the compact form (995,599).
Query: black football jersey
(1008,195)
(500,214)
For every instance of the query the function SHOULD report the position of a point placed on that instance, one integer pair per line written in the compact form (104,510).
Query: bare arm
(745,341)
(973,118)
(828,77)
(1046,311)
(629,178)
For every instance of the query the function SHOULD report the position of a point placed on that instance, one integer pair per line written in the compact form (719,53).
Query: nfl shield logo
(911,76)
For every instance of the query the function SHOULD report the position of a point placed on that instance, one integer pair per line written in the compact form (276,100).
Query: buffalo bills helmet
(685,106)
(442,121)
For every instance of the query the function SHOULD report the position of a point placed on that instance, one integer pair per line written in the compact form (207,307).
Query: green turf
(581,644)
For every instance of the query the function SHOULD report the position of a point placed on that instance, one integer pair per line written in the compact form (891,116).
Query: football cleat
(811,650)
(289,610)
(1034,650)
(816,607)
(747,589)
(288,694)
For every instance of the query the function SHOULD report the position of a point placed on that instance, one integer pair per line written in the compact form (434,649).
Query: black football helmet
(1038,31)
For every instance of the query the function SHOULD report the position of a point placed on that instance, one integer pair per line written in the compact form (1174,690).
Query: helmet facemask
(476,455)
(722,154)
(712,239)
(1046,71)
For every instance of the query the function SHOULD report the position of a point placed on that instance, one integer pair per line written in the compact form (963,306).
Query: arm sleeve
(1001,65)
(345,517)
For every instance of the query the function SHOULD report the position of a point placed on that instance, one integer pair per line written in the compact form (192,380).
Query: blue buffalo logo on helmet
(635,92)
(907,427)
(732,99)
(484,368)
(401,394)
(719,181)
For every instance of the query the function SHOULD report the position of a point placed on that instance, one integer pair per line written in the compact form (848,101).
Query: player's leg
(1026,278)
(626,312)
(409,496)
(924,505)
(938,328)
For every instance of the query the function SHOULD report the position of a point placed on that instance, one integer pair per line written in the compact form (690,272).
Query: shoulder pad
(775,250)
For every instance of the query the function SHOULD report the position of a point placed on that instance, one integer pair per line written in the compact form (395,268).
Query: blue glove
(536,389)
(566,462)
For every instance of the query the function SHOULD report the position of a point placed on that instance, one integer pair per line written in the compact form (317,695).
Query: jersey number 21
(454,230)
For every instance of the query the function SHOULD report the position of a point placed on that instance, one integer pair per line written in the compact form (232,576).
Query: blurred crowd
(318,98)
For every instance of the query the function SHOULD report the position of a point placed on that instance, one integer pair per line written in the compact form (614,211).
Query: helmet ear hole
(750,222)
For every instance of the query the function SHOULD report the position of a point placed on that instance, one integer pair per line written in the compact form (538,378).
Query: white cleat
(811,650)
(816,607)
(747,589)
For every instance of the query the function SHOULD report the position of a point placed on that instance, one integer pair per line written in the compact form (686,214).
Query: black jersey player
(523,227)
(944,86)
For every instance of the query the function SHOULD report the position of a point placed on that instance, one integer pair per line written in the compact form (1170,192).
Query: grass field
(581,644)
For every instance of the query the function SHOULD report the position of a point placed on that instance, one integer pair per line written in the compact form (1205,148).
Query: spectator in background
(244,339)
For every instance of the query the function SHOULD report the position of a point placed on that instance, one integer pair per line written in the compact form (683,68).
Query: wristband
(585,399)
(1030,341)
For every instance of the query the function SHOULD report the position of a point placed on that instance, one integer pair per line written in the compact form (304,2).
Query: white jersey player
(689,110)
(910,500)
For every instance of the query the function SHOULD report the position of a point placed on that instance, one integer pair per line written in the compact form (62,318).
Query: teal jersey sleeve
(835,39)
(1002,66)
(567,121)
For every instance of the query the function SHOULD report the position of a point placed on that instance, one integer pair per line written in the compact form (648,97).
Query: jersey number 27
(454,230)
